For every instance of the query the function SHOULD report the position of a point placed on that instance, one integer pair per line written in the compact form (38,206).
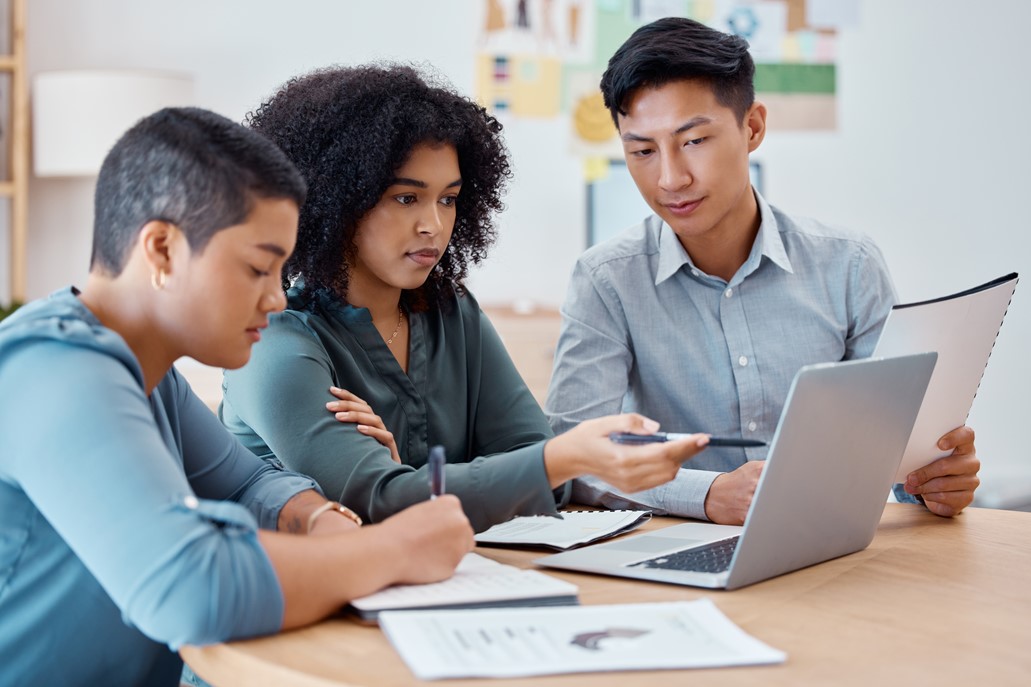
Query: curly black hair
(348,130)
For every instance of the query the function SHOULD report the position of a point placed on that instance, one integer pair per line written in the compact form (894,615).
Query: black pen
(658,437)
(436,463)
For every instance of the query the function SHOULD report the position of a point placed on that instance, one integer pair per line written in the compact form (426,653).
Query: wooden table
(932,601)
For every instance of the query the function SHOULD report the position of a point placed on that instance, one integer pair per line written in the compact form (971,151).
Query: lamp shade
(78,115)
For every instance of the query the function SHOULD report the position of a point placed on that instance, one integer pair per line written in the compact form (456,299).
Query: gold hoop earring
(157,280)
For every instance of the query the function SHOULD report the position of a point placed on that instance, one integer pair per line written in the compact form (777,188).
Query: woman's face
(398,243)
(225,294)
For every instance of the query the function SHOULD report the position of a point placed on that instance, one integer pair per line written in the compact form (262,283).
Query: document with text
(577,639)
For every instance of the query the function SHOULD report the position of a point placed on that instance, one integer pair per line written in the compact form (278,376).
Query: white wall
(930,157)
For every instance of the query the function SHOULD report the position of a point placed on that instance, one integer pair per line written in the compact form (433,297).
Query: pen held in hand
(658,437)
(436,469)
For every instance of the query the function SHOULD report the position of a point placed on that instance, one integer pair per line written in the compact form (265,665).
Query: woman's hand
(352,409)
(431,536)
(587,450)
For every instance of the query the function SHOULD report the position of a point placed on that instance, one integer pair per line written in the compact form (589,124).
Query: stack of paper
(478,582)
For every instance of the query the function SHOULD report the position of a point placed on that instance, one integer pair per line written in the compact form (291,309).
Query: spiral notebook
(962,329)
(576,528)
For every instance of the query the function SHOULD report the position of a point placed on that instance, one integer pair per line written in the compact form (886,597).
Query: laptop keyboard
(713,557)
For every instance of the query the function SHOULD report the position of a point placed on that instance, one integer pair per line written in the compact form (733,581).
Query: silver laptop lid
(831,465)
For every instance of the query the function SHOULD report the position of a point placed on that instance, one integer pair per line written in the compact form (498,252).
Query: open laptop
(830,467)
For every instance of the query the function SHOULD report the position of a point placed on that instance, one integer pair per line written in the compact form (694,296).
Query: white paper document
(577,639)
(477,582)
(962,329)
(575,528)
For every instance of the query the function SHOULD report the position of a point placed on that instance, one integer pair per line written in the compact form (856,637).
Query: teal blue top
(127,523)
(461,391)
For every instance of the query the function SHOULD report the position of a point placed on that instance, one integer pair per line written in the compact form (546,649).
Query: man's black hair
(675,49)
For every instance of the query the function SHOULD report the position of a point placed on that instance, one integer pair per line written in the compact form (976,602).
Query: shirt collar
(672,256)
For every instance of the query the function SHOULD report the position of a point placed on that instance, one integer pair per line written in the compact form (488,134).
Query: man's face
(688,155)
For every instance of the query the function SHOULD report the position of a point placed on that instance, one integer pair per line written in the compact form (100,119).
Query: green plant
(6,310)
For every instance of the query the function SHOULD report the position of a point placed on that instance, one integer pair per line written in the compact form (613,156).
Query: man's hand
(947,485)
(730,494)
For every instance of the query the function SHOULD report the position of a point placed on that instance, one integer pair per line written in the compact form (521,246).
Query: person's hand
(947,485)
(432,538)
(587,450)
(352,409)
(730,494)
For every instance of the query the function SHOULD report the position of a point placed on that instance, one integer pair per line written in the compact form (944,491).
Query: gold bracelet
(333,506)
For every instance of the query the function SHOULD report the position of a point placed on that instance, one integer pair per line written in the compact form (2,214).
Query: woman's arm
(278,401)
(318,575)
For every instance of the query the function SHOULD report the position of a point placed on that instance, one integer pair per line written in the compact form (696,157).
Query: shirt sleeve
(593,356)
(508,417)
(593,363)
(281,395)
(871,296)
(683,496)
(218,467)
(83,444)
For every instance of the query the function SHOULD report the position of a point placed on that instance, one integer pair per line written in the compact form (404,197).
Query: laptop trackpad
(652,544)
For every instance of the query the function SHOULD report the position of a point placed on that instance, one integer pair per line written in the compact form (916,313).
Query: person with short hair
(133,523)
(700,316)
(382,352)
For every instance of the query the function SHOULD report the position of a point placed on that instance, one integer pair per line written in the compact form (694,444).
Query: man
(700,316)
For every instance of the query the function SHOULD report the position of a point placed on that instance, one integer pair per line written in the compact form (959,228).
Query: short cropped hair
(675,49)
(190,167)
(349,129)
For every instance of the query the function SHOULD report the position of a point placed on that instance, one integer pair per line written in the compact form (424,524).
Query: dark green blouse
(462,391)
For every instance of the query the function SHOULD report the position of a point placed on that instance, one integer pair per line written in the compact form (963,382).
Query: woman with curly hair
(382,353)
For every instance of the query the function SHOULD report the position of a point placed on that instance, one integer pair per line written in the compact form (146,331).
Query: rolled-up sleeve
(219,467)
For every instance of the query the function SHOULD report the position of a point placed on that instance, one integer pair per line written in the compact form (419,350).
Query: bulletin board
(544,58)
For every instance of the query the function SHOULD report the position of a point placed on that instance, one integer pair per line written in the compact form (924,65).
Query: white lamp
(78,115)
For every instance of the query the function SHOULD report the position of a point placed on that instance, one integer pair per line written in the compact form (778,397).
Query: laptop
(828,472)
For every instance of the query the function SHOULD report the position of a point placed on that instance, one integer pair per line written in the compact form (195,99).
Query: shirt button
(728,293)
(742,361)
(191,502)
(695,273)
(752,426)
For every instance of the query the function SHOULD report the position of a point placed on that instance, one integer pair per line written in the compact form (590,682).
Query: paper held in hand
(578,639)
(962,329)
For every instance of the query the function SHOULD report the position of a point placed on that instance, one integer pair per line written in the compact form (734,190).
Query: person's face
(688,155)
(228,290)
(400,240)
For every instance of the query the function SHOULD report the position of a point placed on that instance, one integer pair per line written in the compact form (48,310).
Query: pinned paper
(595,169)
